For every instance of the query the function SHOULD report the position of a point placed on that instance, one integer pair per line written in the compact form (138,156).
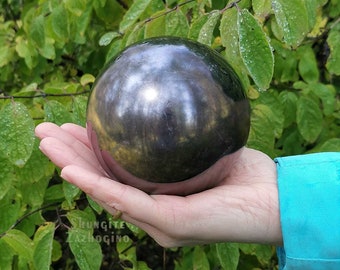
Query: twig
(45,95)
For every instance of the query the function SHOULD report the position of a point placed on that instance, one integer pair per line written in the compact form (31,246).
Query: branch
(45,95)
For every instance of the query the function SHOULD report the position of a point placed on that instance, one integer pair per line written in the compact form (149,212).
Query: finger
(136,206)
(45,129)
(78,132)
(127,199)
(63,155)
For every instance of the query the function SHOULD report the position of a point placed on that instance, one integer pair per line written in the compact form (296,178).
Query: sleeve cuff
(309,198)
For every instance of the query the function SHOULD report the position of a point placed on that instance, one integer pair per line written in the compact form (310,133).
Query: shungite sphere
(163,111)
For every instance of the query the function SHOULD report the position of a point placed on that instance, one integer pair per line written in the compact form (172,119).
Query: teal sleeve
(309,198)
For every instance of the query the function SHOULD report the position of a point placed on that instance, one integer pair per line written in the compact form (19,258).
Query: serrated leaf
(57,113)
(43,243)
(176,24)
(333,61)
(107,38)
(308,118)
(207,30)
(85,248)
(292,18)
(228,255)
(255,49)
(133,14)
(20,243)
(16,133)
(37,31)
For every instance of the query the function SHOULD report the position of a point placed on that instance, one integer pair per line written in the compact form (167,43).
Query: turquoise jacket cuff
(309,198)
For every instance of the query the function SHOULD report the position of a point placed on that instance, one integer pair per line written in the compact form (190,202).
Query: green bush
(287,53)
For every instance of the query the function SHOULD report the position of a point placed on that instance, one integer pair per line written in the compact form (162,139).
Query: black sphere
(165,110)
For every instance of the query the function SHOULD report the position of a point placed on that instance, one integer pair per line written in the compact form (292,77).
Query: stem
(25,216)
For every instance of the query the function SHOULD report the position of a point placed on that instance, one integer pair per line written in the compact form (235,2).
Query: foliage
(287,53)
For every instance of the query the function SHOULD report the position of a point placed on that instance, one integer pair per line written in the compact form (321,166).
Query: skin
(242,208)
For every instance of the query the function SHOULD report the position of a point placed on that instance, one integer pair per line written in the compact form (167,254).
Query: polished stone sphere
(163,111)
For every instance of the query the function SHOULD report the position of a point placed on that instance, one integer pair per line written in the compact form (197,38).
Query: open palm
(243,207)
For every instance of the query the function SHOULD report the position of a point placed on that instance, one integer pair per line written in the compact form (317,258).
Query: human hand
(242,208)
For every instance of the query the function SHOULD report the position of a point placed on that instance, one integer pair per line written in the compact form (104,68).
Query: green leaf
(48,50)
(6,54)
(230,38)
(262,252)
(261,135)
(327,95)
(308,67)
(262,8)
(94,205)
(16,133)
(84,220)
(6,262)
(43,243)
(70,192)
(255,49)
(10,209)
(155,27)
(133,14)
(57,113)
(200,260)
(25,50)
(228,255)
(196,26)
(87,79)
(288,100)
(333,61)
(206,33)
(331,145)
(77,7)
(7,175)
(37,31)
(57,252)
(292,18)
(85,248)
(309,118)
(107,38)
(60,23)
(176,24)
(79,106)
(20,243)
